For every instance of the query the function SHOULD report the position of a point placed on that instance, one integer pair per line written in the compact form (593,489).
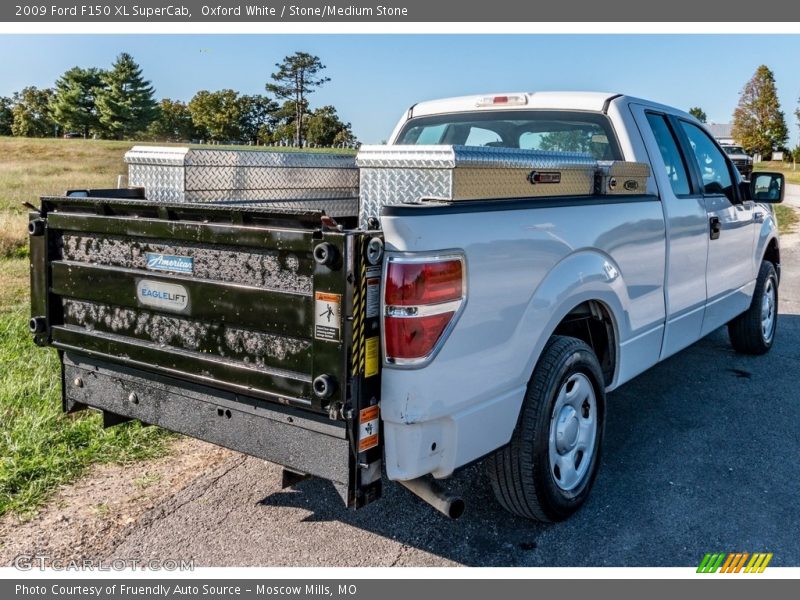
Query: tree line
(759,123)
(119,103)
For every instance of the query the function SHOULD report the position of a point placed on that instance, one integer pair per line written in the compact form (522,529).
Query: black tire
(520,473)
(745,331)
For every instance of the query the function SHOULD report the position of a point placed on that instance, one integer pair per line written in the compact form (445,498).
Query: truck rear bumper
(439,446)
(296,439)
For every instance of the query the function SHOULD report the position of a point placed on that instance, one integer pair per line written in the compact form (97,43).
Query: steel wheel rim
(768,311)
(573,431)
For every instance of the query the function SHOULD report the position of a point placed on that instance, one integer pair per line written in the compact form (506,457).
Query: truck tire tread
(511,469)
(745,330)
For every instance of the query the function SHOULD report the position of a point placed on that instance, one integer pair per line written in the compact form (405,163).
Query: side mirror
(767,187)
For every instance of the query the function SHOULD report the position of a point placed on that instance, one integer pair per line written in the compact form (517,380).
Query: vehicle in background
(740,159)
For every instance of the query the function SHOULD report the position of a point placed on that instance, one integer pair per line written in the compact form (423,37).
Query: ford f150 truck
(473,289)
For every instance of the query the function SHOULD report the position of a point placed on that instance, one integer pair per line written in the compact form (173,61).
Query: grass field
(791,172)
(33,167)
(40,448)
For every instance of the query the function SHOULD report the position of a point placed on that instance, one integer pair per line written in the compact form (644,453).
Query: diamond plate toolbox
(401,174)
(283,179)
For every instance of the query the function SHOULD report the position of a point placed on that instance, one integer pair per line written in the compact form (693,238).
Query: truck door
(686,230)
(730,268)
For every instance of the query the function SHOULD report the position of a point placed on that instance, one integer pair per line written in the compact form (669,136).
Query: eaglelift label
(328,316)
(166,296)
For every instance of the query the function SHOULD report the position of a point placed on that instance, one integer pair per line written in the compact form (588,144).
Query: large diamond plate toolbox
(400,174)
(285,180)
(403,174)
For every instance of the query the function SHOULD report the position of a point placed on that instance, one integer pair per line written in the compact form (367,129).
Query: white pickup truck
(473,289)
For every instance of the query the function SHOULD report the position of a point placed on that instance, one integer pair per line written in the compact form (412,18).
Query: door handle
(715,227)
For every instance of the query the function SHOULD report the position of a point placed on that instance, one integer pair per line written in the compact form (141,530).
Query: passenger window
(713,166)
(673,160)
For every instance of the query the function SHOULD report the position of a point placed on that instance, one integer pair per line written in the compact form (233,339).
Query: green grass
(41,448)
(791,173)
(787,218)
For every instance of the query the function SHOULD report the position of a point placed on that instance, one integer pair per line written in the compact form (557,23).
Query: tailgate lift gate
(270,347)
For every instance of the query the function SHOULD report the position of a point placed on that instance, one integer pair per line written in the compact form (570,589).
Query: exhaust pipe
(430,491)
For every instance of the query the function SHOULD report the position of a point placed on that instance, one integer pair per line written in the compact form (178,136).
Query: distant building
(722,131)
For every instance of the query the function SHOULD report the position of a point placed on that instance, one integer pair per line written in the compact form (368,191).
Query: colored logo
(158,294)
(168,262)
(735,562)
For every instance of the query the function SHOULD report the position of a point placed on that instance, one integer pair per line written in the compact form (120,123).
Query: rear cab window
(554,131)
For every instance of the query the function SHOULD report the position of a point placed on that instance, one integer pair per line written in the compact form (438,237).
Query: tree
(758,121)
(31,113)
(698,113)
(6,115)
(74,105)
(325,128)
(797,114)
(217,115)
(173,124)
(296,78)
(125,103)
(257,120)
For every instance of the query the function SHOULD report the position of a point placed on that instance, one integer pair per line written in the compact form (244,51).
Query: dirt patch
(84,520)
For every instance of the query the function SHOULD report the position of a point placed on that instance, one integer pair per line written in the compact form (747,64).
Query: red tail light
(422,296)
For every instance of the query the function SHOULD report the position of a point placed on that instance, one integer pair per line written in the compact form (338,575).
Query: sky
(375,78)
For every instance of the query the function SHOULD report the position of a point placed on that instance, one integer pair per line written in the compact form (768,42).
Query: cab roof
(590,101)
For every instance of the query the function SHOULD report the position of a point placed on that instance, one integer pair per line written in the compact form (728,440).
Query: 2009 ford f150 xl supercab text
(473,289)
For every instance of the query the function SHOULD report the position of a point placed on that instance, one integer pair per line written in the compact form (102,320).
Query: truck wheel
(546,471)
(753,331)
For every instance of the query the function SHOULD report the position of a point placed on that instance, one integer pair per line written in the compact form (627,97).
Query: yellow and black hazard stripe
(358,359)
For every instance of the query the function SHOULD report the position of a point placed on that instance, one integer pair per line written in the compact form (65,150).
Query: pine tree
(698,113)
(6,116)
(297,77)
(125,103)
(74,107)
(758,121)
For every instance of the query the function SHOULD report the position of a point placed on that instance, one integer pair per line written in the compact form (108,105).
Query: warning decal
(368,427)
(373,297)
(372,357)
(327,316)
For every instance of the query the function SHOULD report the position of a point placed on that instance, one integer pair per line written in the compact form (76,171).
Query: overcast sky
(375,78)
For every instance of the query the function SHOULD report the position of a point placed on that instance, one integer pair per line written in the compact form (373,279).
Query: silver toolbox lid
(283,179)
(481,157)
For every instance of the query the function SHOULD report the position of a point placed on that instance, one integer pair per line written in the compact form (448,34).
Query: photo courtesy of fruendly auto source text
(402,299)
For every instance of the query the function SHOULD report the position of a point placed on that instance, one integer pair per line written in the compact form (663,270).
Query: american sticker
(169,262)
(327,316)
(369,425)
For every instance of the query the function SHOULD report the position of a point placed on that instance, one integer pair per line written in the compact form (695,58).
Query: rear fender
(580,277)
